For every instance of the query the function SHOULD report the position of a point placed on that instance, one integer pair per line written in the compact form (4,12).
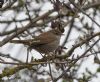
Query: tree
(24,20)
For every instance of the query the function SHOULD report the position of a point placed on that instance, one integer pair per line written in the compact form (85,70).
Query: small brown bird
(46,42)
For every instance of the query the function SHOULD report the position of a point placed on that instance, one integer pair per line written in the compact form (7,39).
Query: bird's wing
(44,38)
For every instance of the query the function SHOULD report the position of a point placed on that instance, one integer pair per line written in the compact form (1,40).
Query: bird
(46,42)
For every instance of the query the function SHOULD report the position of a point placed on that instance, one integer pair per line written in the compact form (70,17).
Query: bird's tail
(25,42)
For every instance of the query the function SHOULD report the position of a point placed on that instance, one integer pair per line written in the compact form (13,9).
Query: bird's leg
(60,50)
(51,55)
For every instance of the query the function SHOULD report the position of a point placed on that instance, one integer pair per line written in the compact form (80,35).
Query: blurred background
(78,58)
